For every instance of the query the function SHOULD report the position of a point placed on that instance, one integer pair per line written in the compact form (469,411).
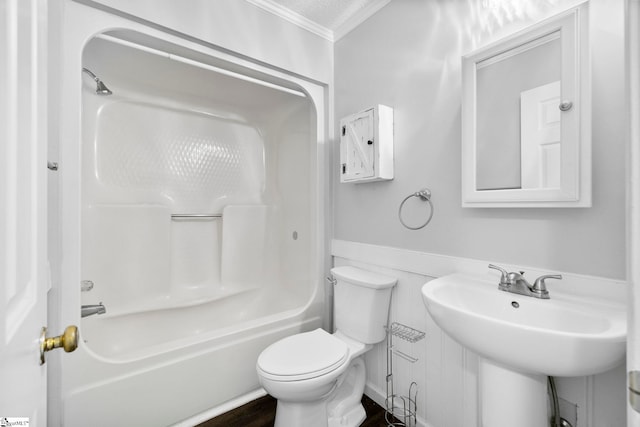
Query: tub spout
(89,310)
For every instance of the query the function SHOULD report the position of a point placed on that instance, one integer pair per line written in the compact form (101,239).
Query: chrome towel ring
(424,195)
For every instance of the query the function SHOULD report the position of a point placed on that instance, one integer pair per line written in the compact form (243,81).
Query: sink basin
(561,336)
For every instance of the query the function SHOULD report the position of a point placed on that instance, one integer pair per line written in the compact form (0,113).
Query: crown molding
(315,28)
(293,17)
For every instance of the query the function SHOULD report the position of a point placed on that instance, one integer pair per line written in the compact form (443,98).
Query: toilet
(318,378)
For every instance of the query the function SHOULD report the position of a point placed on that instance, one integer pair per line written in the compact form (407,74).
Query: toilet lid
(305,355)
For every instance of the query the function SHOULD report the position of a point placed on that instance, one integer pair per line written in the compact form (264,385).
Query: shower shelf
(401,411)
(405,332)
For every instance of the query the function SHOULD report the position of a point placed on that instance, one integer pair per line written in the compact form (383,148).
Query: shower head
(101,88)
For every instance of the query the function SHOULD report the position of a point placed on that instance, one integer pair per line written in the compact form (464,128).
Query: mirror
(526,118)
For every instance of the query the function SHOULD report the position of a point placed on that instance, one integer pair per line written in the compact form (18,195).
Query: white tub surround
(197,225)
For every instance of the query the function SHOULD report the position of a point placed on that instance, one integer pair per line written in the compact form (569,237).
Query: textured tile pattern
(189,158)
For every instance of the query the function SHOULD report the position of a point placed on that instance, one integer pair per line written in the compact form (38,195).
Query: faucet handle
(540,287)
(86,285)
(504,281)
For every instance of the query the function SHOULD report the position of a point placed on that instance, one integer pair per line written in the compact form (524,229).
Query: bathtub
(199,233)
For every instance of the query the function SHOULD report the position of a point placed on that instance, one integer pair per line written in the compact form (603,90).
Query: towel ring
(424,195)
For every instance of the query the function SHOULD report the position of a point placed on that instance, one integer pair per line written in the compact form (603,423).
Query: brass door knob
(68,341)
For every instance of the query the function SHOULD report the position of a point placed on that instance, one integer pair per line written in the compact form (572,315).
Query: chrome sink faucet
(515,282)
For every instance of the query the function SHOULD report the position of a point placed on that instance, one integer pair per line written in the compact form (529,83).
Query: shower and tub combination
(200,237)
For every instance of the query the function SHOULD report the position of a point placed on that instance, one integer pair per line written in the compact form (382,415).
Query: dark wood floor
(262,413)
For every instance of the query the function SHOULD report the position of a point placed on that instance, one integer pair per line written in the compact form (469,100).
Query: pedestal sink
(521,340)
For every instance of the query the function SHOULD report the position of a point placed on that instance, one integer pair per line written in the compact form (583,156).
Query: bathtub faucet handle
(86,285)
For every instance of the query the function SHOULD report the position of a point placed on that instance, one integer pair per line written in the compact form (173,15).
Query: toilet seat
(303,356)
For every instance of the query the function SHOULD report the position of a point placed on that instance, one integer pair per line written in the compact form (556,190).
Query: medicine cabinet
(526,117)
(366,145)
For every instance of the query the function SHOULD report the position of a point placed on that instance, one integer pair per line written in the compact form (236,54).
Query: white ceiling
(328,18)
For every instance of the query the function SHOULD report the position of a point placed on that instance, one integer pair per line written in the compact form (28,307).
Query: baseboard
(221,409)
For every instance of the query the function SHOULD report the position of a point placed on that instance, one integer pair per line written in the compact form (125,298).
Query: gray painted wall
(407,56)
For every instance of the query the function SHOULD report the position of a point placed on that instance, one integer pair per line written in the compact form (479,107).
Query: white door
(24,277)
(540,136)
(356,146)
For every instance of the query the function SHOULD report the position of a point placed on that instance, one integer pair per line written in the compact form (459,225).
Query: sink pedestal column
(510,398)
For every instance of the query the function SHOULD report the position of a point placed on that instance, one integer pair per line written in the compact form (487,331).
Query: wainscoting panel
(446,373)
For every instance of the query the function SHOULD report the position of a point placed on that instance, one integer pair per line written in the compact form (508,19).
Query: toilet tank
(361,303)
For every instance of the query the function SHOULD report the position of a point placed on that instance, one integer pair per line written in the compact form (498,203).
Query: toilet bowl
(318,378)
(307,371)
